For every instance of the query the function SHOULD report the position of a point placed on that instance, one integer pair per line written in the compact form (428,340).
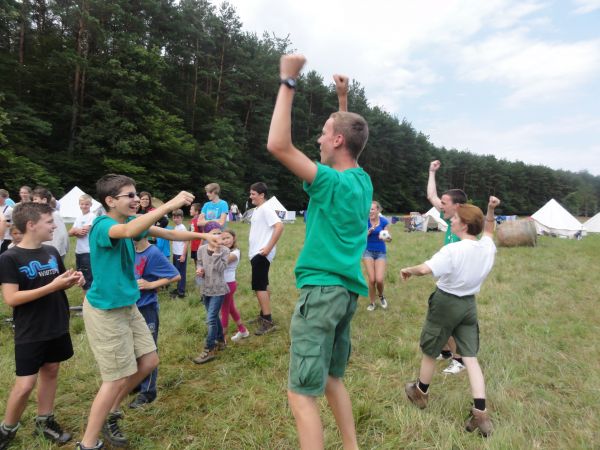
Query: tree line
(176,95)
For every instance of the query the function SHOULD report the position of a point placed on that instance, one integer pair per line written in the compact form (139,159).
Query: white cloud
(532,69)
(586,6)
(533,143)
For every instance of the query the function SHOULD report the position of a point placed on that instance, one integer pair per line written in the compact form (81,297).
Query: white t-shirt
(179,246)
(261,230)
(83,243)
(461,267)
(7,210)
(229,274)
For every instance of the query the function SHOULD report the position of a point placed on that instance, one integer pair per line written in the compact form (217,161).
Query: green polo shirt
(336,229)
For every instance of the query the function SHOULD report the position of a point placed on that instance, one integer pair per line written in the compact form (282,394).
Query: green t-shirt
(336,230)
(450,237)
(112,262)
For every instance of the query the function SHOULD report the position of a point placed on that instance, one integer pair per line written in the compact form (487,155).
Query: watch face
(289,82)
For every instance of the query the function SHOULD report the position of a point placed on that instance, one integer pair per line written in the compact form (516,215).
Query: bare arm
(180,235)
(341,88)
(147,285)
(279,142)
(14,297)
(490,219)
(143,222)
(277,232)
(420,270)
(431,186)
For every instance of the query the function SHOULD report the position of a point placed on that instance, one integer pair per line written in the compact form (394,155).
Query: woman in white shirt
(460,268)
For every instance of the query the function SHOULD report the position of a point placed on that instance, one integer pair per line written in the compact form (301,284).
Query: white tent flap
(554,220)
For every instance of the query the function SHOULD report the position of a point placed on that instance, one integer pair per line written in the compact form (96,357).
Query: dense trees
(176,95)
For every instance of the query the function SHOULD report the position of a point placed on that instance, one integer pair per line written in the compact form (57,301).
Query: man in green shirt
(328,269)
(447,206)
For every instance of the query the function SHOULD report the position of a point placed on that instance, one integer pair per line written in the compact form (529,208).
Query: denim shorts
(375,255)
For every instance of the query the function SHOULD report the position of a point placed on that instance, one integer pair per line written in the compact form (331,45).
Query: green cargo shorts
(320,335)
(449,315)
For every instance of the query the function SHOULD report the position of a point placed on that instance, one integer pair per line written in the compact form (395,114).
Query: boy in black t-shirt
(33,281)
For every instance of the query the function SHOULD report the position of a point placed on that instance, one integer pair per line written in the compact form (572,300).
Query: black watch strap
(289,82)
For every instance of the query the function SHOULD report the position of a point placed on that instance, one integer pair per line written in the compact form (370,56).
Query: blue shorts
(375,255)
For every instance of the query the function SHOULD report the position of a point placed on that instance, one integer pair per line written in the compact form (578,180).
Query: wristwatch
(289,82)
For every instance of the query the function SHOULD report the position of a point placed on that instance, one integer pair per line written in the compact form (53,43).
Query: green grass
(539,320)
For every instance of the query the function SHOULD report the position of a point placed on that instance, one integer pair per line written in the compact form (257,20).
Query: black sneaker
(111,431)
(7,435)
(98,446)
(49,428)
(139,401)
(266,326)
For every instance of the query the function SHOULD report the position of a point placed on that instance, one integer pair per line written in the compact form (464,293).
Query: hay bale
(516,233)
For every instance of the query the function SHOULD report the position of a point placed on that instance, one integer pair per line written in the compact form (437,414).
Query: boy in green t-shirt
(118,334)
(328,269)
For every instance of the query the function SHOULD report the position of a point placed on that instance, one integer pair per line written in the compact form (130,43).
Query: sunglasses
(129,194)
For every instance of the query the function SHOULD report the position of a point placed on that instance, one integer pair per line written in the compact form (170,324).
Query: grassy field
(539,320)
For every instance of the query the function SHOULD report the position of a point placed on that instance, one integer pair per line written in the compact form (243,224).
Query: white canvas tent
(69,205)
(593,225)
(434,214)
(554,220)
(282,212)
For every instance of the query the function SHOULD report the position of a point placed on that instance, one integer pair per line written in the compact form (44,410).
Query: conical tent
(282,212)
(435,215)
(593,225)
(554,220)
(69,205)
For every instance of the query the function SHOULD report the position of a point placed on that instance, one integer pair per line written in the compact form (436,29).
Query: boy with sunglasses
(117,333)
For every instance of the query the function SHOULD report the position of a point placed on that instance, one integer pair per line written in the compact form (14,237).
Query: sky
(517,79)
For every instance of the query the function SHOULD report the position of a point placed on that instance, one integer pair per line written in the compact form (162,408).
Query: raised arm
(180,235)
(341,88)
(431,186)
(280,143)
(141,223)
(490,219)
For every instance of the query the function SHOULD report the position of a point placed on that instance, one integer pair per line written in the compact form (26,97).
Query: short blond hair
(86,197)
(213,187)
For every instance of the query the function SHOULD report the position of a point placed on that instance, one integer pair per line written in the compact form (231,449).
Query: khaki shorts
(320,334)
(449,315)
(117,337)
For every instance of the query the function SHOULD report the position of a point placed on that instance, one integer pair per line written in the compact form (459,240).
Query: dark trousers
(148,385)
(182,268)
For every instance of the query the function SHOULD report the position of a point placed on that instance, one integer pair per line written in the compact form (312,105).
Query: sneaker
(441,357)
(139,401)
(49,428)
(98,446)
(454,367)
(173,294)
(7,435)
(240,335)
(383,301)
(266,326)
(111,431)
(206,356)
(371,307)
(479,419)
(416,395)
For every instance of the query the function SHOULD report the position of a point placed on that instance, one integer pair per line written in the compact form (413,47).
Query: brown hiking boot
(479,419)
(206,356)
(265,326)
(416,395)
(221,345)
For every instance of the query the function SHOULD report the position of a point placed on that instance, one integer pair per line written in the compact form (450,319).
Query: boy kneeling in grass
(117,333)
(33,281)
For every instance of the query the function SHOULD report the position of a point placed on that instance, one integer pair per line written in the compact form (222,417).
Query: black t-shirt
(47,317)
